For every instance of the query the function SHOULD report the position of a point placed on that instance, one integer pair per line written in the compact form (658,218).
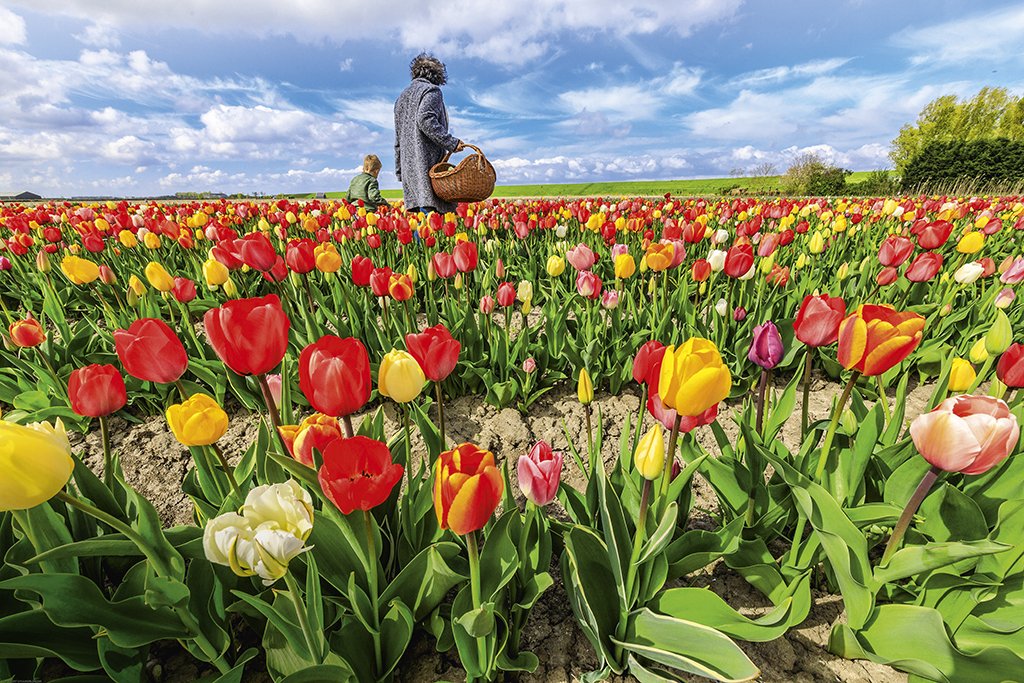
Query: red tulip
(435,350)
(380,281)
(334,375)
(895,250)
(299,255)
(647,364)
(738,260)
(1010,368)
(506,294)
(486,305)
(934,235)
(444,265)
(96,390)
(817,322)
(588,284)
(249,335)
(184,290)
(887,276)
(362,267)
(27,333)
(151,351)
(358,473)
(924,267)
(256,251)
(701,270)
(466,257)
(467,488)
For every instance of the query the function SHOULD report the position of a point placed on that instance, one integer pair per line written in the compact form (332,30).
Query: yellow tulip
(625,266)
(198,421)
(400,378)
(817,243)
(328,260)
(35,463)
(158,277)
(961,375)
(151,240)
(127,239)
(230,288)
(200,219)
(693,377)
(585,388)
(649,457)
(215,273)
(555,266)
(79,270)
(135,285)
(971,243)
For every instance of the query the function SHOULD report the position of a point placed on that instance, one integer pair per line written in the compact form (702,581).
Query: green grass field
(639,188)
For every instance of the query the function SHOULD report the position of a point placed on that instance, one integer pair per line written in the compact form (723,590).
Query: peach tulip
(967,434)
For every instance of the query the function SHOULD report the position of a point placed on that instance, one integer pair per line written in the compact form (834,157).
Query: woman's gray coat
(421,140)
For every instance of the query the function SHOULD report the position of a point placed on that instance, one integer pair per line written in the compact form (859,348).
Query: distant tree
(764,170)
(738,172)
(978,164)
(992,113)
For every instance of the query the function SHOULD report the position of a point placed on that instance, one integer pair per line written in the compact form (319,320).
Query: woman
(421,134)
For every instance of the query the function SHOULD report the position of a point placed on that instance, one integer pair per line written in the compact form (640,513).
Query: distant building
(19,196)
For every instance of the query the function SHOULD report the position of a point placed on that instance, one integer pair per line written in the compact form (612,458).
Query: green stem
(181,389)
(108,467)
(638,538)
(985,368)
(832,425)
(312,643)
(666,477)
(346,421)
(639,418)
(440,413)
(804,417)
(908,512)
(474,588)
(590,440)
(371,578)
(229,471)
(883,399)
(275,417)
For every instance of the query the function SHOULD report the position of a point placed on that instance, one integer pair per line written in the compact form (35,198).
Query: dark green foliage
(986,163)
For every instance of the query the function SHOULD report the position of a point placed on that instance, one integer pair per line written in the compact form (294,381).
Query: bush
(878,183)
(810,175)
(984,163)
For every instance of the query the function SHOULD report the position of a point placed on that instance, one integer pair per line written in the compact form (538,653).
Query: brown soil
(155,464)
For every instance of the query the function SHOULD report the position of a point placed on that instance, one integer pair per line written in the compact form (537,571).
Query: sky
(139,98)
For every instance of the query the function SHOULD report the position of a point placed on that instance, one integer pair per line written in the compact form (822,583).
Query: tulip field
(839,377)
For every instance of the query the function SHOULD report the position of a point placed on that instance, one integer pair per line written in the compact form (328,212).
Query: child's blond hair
(371,163)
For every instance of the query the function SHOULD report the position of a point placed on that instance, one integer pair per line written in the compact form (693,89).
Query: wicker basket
(471,181)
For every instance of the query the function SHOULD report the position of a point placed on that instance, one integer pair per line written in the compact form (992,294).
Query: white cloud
(633,101)
(995,36)
(99,35)
(345,65)
(493,31)
(13,32)
(778,74)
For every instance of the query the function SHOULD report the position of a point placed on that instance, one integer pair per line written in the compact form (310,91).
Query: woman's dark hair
(429,67)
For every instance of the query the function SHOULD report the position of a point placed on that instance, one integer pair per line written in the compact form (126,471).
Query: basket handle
(479,162)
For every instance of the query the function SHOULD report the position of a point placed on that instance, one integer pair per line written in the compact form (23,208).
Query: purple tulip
(766,347)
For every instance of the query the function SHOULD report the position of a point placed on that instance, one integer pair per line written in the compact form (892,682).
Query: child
(364,186)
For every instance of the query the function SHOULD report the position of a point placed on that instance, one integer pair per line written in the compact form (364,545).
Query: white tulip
(722,307)
(288,505)
(721,236)
(561,230)
(220,538)
(968,273)
(716,258)
(749,274)
(525,291)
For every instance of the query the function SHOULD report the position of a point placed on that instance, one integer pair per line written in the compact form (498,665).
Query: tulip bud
(42,261)
(585,388)
(499,269)
(107,276)
(978,353)
(945,310)
(1005,298)
(649,457)
(529,365)
(132,297)
(843,272)
(721,307)
(230,289)
(1000,335)
(555,266)
(739,313)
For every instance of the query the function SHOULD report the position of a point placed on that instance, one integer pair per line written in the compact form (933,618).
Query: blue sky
(137,98)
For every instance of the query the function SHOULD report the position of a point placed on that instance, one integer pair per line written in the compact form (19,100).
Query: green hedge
(986,162)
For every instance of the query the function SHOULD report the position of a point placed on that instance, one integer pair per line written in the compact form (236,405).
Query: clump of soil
(155,463)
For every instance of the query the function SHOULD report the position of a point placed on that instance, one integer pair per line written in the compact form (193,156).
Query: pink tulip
(499,269)
(1015,273)
(610,299)
(1005,298)
(529,365)
(539,473)
(486,305)
(678,252)
(588,284)
(581,257)
(667,416)
(274,383)
(618,250)
(967,434)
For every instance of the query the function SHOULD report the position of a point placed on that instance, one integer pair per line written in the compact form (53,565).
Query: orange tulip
(467,488)
(876,338)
